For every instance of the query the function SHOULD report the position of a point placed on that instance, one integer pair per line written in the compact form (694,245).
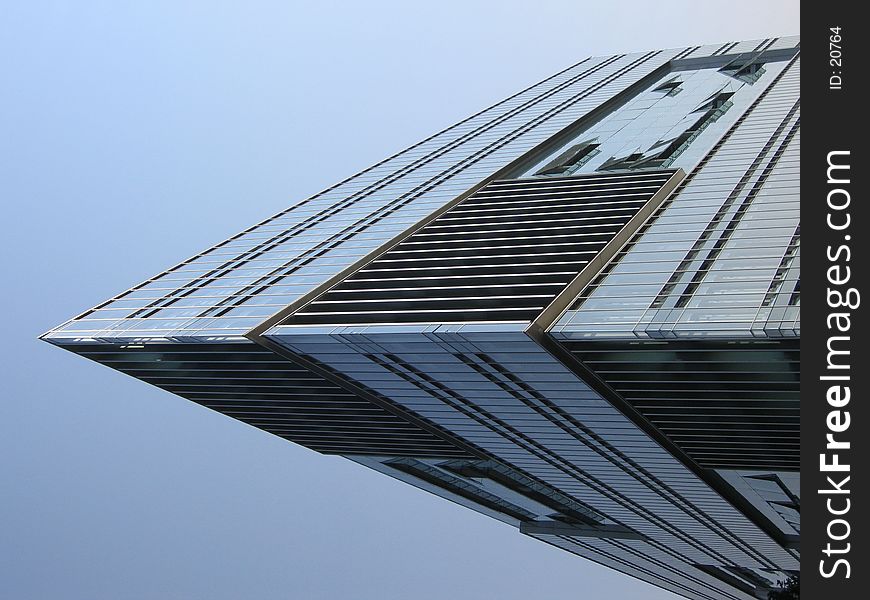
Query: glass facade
(229,289)
(723,256)
(673,122)
(506,395)
(576,311)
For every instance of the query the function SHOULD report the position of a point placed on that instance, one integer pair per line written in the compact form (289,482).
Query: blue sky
(134,134)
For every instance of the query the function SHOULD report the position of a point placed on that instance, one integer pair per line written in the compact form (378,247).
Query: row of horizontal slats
(726,404)
(502,254)
(251,384)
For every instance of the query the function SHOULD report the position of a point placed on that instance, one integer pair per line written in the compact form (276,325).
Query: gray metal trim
(559,528)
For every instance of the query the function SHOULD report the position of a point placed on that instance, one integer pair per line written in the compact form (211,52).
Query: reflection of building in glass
(576,311)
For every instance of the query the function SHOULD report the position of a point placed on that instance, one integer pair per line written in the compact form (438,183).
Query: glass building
(576,311)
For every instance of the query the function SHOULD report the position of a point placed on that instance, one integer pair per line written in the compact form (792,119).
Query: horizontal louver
(251,384)
(502,254)
(727,405)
